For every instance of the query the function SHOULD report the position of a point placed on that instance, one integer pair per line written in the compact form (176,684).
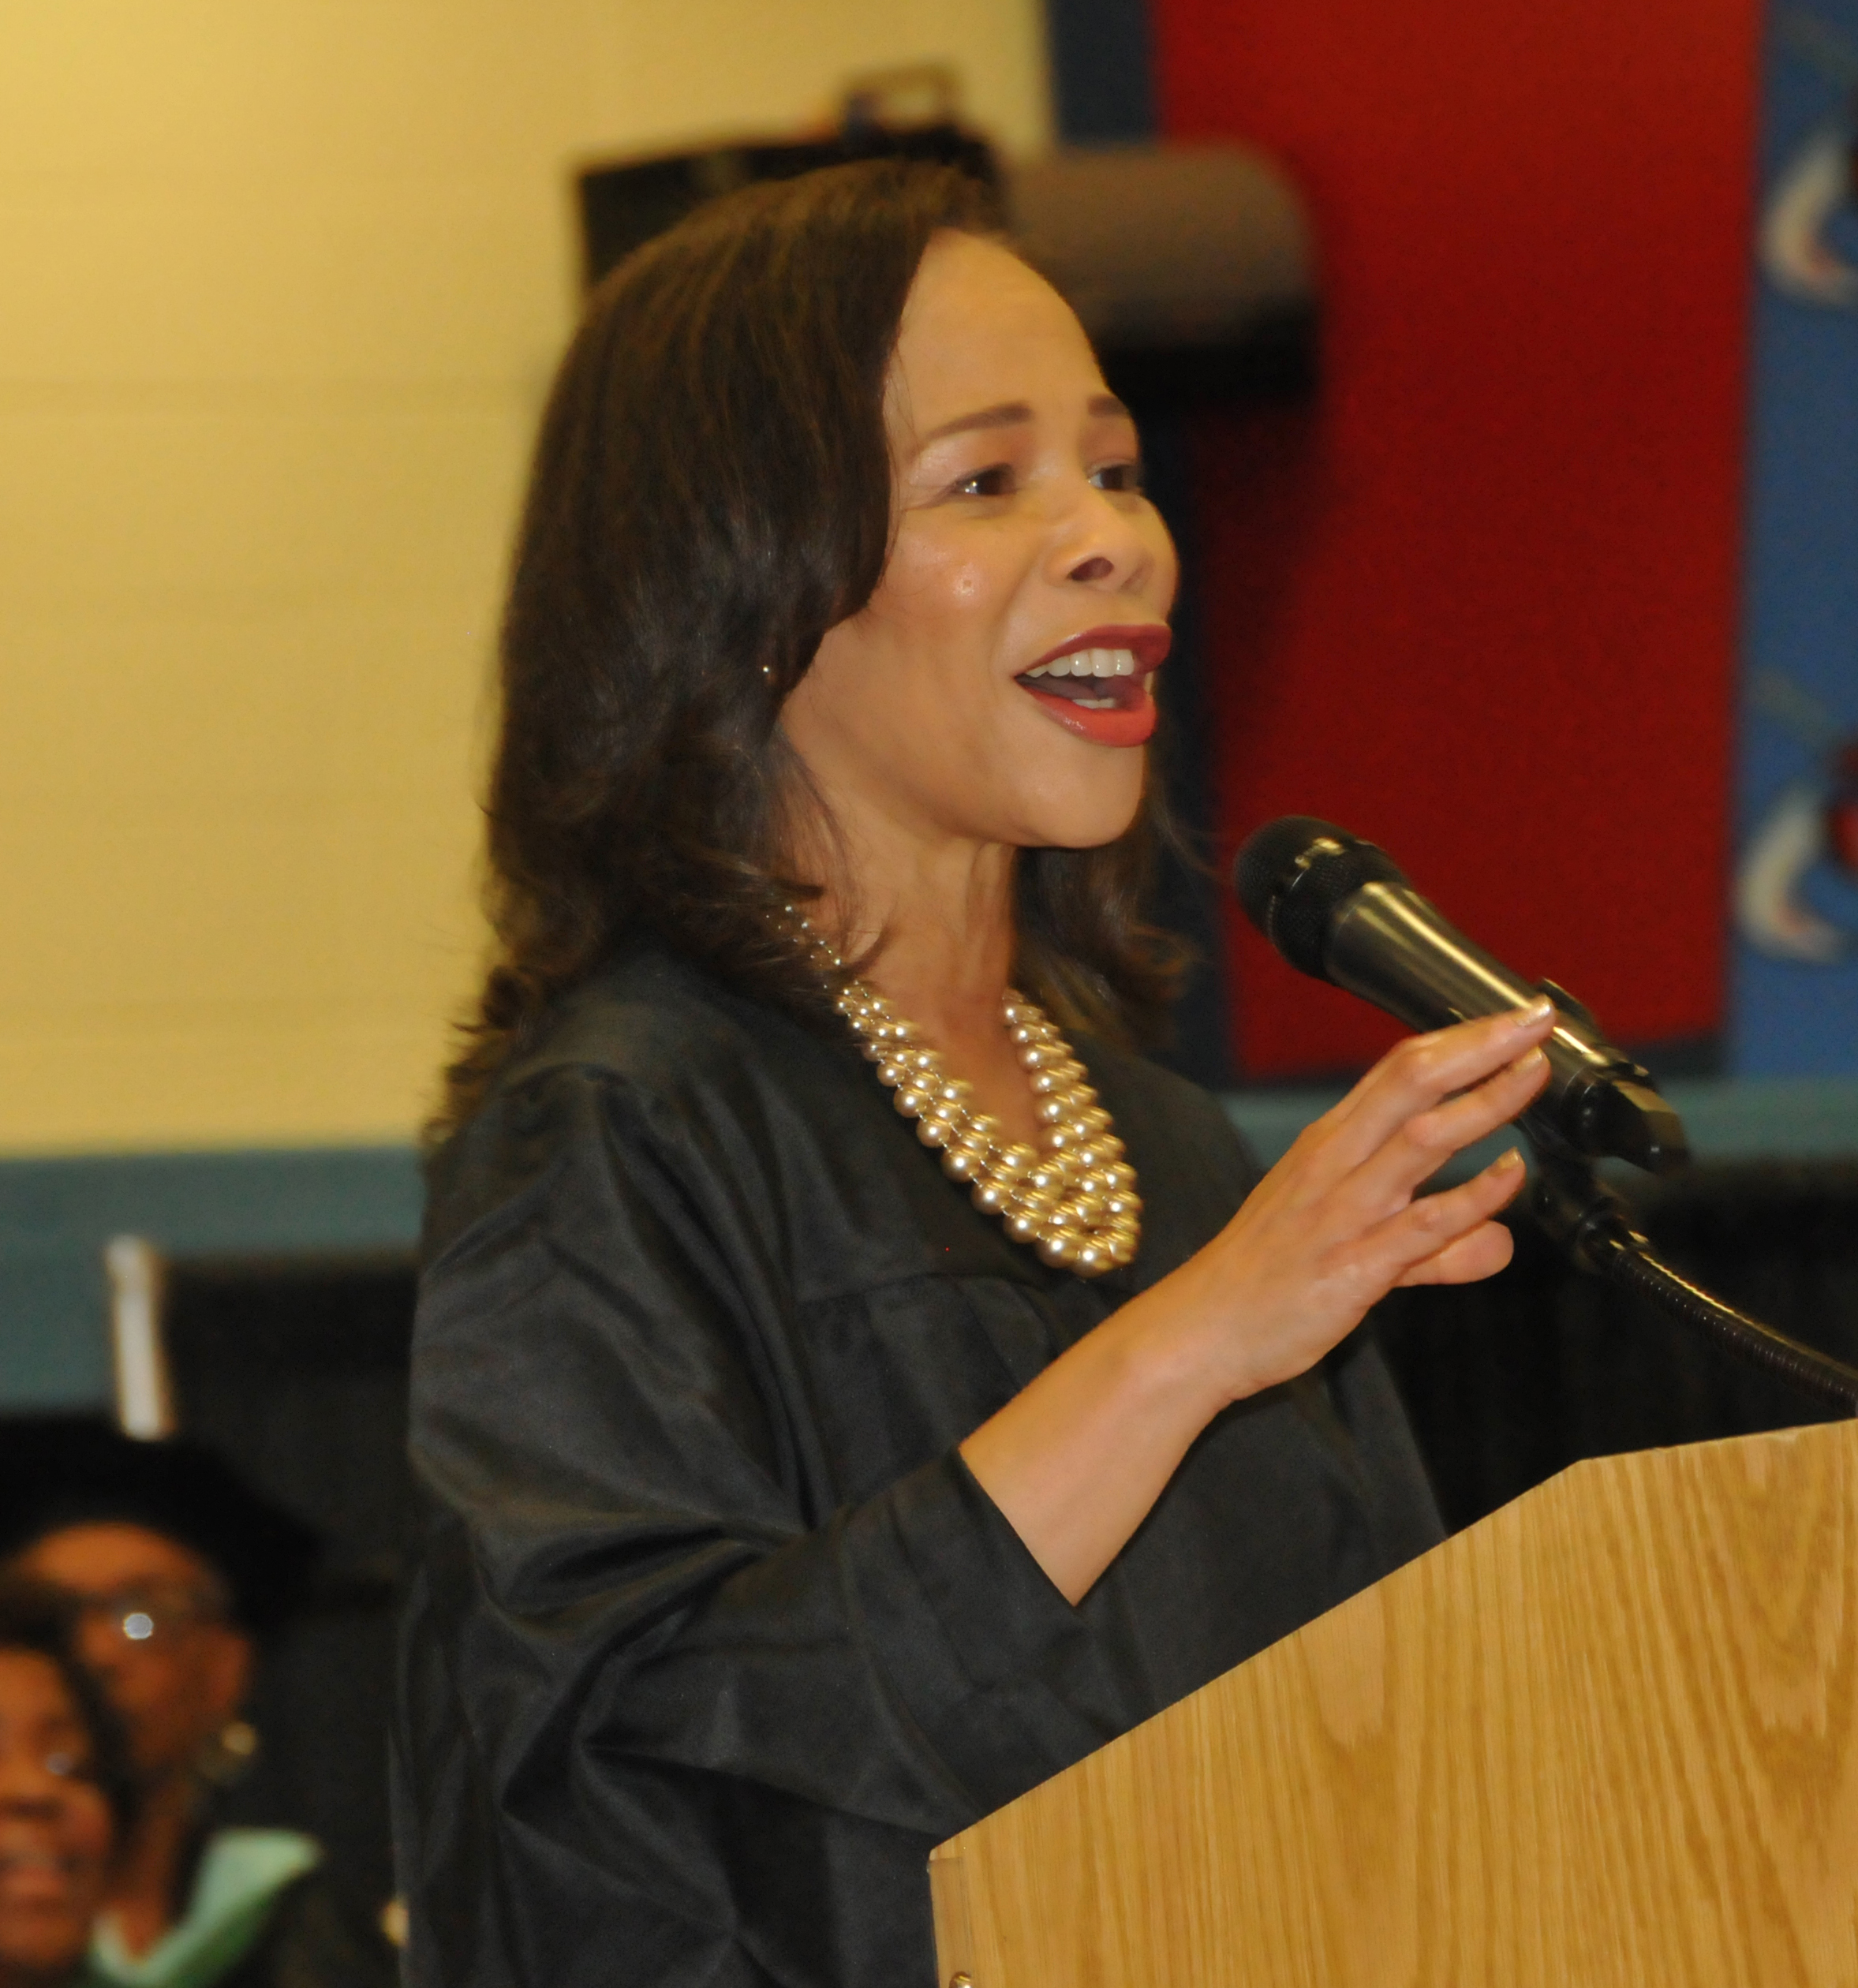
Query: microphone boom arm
(1588,1220)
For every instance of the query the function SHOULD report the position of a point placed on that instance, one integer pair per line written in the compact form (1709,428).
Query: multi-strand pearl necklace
(1072,1197)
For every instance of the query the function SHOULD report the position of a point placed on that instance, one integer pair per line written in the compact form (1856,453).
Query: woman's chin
(1102,813)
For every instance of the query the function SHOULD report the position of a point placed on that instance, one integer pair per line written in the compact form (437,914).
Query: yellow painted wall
(281,286)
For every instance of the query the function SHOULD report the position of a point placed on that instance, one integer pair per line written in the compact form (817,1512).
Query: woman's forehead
(97,1556)
(981,330)
(33,1693)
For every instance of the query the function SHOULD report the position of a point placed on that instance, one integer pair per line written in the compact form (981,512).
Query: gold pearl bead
(1070,1195)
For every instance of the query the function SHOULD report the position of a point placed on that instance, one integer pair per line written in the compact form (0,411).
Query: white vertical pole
(144,1401)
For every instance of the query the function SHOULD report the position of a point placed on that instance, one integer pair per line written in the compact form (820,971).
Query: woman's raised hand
(1075,1460)
(1337,1223)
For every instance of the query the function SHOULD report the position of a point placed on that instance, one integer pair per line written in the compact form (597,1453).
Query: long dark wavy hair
(711,491)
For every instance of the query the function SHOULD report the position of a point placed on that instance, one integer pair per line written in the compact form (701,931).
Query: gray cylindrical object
(1161,247)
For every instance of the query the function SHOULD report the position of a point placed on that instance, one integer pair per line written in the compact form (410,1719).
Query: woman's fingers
(1482,1253)
(1416,1076)
(1438,1230)
(1385,1181)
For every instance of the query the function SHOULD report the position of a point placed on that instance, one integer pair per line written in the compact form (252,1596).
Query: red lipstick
(1108,710)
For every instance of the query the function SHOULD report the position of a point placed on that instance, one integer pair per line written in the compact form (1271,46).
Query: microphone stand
(1588,1220)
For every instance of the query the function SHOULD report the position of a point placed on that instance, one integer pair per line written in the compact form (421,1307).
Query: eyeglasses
(148,1616)
(68,1766)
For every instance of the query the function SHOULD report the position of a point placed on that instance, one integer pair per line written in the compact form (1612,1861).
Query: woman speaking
(850,1384)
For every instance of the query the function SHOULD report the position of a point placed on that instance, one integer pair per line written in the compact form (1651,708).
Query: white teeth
(1088,663)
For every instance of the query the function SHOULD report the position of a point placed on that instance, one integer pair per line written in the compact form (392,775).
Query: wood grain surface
(1604,1737)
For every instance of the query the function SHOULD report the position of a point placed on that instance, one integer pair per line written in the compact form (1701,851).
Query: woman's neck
(144,1900)
(948,945)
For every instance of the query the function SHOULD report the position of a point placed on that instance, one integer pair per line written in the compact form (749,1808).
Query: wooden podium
(1607,1737)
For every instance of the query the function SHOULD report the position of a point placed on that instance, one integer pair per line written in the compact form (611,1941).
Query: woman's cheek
(940,581)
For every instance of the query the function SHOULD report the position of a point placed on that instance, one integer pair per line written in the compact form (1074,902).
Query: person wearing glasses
(67,1799)
(174,1570)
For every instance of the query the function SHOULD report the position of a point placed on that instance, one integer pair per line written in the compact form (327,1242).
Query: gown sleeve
(639,1625)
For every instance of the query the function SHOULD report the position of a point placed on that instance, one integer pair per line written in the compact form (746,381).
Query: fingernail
(1532,1062)
(1538,1011)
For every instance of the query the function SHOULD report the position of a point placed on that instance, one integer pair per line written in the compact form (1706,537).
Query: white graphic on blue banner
(1794,1009)
(1811,826)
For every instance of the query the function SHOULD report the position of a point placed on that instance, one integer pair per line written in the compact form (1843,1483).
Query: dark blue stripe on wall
(1103,70)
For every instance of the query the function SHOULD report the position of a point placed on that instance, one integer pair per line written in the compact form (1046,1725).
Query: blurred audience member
(66,1799)
(175,1570)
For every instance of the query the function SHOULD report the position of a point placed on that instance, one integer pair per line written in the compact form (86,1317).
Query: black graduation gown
(714,1636)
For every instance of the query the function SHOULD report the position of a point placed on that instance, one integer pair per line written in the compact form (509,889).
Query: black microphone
(1341,910)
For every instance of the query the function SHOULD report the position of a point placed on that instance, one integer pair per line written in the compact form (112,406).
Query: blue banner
(1794,996)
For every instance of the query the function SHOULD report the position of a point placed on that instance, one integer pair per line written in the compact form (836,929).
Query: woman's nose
(1100,544)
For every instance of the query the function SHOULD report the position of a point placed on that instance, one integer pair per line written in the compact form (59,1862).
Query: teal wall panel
(57,1214)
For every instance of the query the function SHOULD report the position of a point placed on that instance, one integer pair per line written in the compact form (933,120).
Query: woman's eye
(996,480)
(1125,477)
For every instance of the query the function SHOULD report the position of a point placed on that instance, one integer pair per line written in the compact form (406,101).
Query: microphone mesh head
(1292,874)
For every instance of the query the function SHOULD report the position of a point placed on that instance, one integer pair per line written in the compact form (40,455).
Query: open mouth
(1097,679)
(31,1876)
(1101,684)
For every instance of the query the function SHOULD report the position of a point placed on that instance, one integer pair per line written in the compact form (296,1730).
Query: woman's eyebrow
(1012,414)
(1008,414)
